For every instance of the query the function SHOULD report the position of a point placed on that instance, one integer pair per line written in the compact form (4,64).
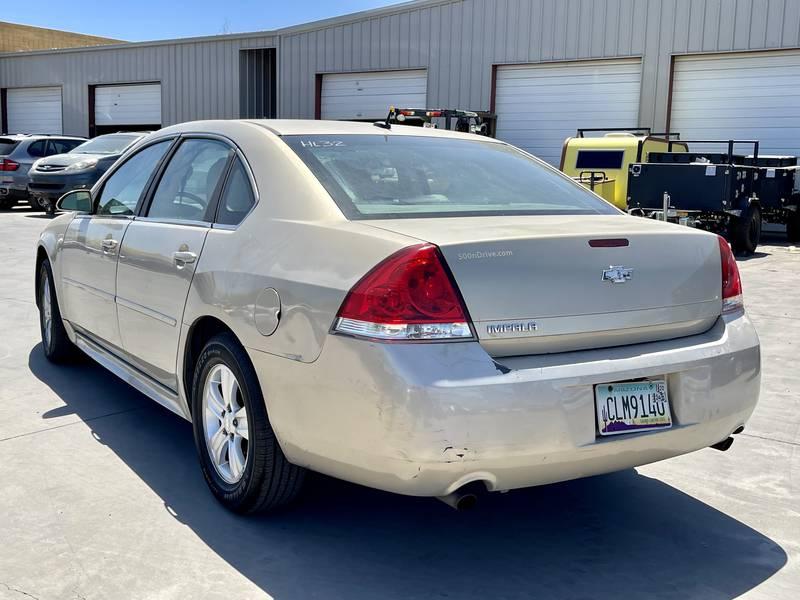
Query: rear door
(160,252)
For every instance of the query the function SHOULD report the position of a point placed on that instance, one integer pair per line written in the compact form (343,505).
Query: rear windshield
(375,176)
(106,144)
(7,146)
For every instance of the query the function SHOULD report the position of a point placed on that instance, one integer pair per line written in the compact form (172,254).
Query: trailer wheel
(793,227)
(746,231)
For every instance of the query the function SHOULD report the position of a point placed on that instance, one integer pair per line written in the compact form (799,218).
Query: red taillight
(732,299)
(8,165)
(408,296)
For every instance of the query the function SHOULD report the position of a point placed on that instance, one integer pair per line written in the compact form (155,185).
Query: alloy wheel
(225,423)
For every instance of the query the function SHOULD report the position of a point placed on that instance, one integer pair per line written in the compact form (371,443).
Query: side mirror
(76,200)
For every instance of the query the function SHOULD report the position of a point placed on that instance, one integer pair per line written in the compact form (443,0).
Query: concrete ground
(101,496)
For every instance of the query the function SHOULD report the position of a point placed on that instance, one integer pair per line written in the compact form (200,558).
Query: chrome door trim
(189,223)
(133,377)
(148,312)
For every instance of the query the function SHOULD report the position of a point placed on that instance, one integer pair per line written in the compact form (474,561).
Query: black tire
(56,343)
(7,204)
(793,227)
(268,480)
(39,203)
(746,231)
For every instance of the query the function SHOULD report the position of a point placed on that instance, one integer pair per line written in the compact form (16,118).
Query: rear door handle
(184,258)
(109,245)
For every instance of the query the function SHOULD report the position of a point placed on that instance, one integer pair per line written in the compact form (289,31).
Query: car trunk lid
(535,284)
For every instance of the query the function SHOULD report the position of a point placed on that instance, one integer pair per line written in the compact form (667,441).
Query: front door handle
(183,258)
(109,246)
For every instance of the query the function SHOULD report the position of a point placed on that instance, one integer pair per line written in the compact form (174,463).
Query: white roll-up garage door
(359,96)
(120,105)
(539,106)
(742,96)
(34,110)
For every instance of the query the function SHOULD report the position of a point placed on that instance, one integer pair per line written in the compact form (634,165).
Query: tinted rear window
(7,146)
(375,176)
(599,159)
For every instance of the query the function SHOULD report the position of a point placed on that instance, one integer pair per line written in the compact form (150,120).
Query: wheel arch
(41,256)
(200,331)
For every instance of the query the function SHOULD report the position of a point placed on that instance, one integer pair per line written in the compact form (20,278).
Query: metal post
(666,206)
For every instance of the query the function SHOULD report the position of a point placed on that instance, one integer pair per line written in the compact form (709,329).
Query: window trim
(101,184)
(254,194)
(145,204)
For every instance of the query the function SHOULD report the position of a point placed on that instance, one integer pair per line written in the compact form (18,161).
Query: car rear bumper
(425,419)
(7,193)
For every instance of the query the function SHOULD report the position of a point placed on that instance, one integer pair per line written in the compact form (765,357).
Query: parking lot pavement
(101,496)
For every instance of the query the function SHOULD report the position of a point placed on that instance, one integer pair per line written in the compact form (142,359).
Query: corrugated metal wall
(457,41)
(198,79)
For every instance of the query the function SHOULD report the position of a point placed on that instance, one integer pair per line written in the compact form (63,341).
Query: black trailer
(727,193)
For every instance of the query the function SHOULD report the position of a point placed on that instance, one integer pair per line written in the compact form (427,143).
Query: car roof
(316,127)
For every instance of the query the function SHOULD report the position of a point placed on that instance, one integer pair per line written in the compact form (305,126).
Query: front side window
(237,197)
(394,176)
(122,191)
(190,180)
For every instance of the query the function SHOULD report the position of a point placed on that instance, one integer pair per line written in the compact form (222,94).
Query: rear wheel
(746,233)
(239,454)
(6,204)
(55,342)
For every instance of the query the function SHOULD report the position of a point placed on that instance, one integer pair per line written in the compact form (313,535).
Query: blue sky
(139,20)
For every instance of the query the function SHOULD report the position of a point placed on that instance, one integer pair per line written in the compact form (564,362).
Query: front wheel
(55,342)
(239,454)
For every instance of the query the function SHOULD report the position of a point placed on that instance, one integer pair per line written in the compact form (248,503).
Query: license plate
(632,407)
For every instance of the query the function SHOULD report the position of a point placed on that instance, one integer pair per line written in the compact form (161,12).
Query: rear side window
(190,180)
(121,191)
(599,159)
(237,198)
(396,176)
(62,146)
(38,149)
(7,146)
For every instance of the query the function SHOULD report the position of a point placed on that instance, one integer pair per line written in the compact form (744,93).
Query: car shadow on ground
(616,536)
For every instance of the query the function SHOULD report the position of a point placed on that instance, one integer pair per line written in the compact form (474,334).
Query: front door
(91,247)
(160,252)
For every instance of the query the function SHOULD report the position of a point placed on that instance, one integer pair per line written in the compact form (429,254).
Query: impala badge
(617,274)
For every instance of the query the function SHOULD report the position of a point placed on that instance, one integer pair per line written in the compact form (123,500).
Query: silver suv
(18,153)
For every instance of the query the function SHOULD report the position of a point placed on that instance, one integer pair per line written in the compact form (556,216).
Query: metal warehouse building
(705,68)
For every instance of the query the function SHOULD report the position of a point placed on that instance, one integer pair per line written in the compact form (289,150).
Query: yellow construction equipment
(600,162)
